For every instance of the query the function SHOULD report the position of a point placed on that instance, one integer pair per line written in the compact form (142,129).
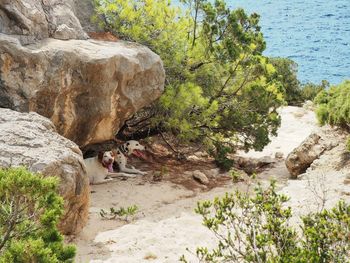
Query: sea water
(313,33)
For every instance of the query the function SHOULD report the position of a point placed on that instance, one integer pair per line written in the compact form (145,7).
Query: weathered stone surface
(30,140)
(311,149)
(200,177)
(212,173)
(279,155)
(301,157)
(33,19)
(84,10)
(253,165)
(87,88)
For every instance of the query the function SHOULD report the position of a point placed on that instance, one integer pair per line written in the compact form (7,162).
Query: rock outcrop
(87,88)
(311,149)
(200,177)
(253,165)
(31,19)
(324,183)
(30,140)
(84,10)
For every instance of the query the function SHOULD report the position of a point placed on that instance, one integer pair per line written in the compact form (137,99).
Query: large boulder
(30,140)
(311,149)
(87,88)
(33,19)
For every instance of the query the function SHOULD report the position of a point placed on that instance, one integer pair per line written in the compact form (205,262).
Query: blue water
(313,33)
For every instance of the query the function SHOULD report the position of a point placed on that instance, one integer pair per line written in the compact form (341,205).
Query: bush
(256,229)
(220,153)
(309,91)
(219,86)
(334,105)
(295,93)
(286,72)
(29,212)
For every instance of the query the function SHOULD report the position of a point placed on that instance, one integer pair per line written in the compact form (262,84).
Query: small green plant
(236,176)
(256,229)
(220,153)
(29,212)
(121,212)
(159,175)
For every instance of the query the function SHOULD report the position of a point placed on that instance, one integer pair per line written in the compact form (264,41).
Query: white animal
(121,153)
(98,167)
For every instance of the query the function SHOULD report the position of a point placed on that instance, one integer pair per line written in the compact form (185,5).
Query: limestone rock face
(87,88)
(30,140)
(33,19)
(311,149)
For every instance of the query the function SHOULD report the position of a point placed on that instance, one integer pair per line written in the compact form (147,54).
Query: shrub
(295,92)
(286,72)
(29,212)
(334,105)
(256,229)
(309,91)
(219,86)
(120,212)
(220,153)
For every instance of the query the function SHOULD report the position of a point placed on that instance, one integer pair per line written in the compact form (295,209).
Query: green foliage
(236,176)
(295,93)
(219,86)
(29,212)
(286,72)
(334,105)
(327,235)
(310,90)
(121,212)
(348,144)
(256,229)
(220,152)
(155,24)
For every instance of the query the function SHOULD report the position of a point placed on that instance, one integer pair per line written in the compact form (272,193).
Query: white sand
(162,241)
(296,125)
(168,225)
